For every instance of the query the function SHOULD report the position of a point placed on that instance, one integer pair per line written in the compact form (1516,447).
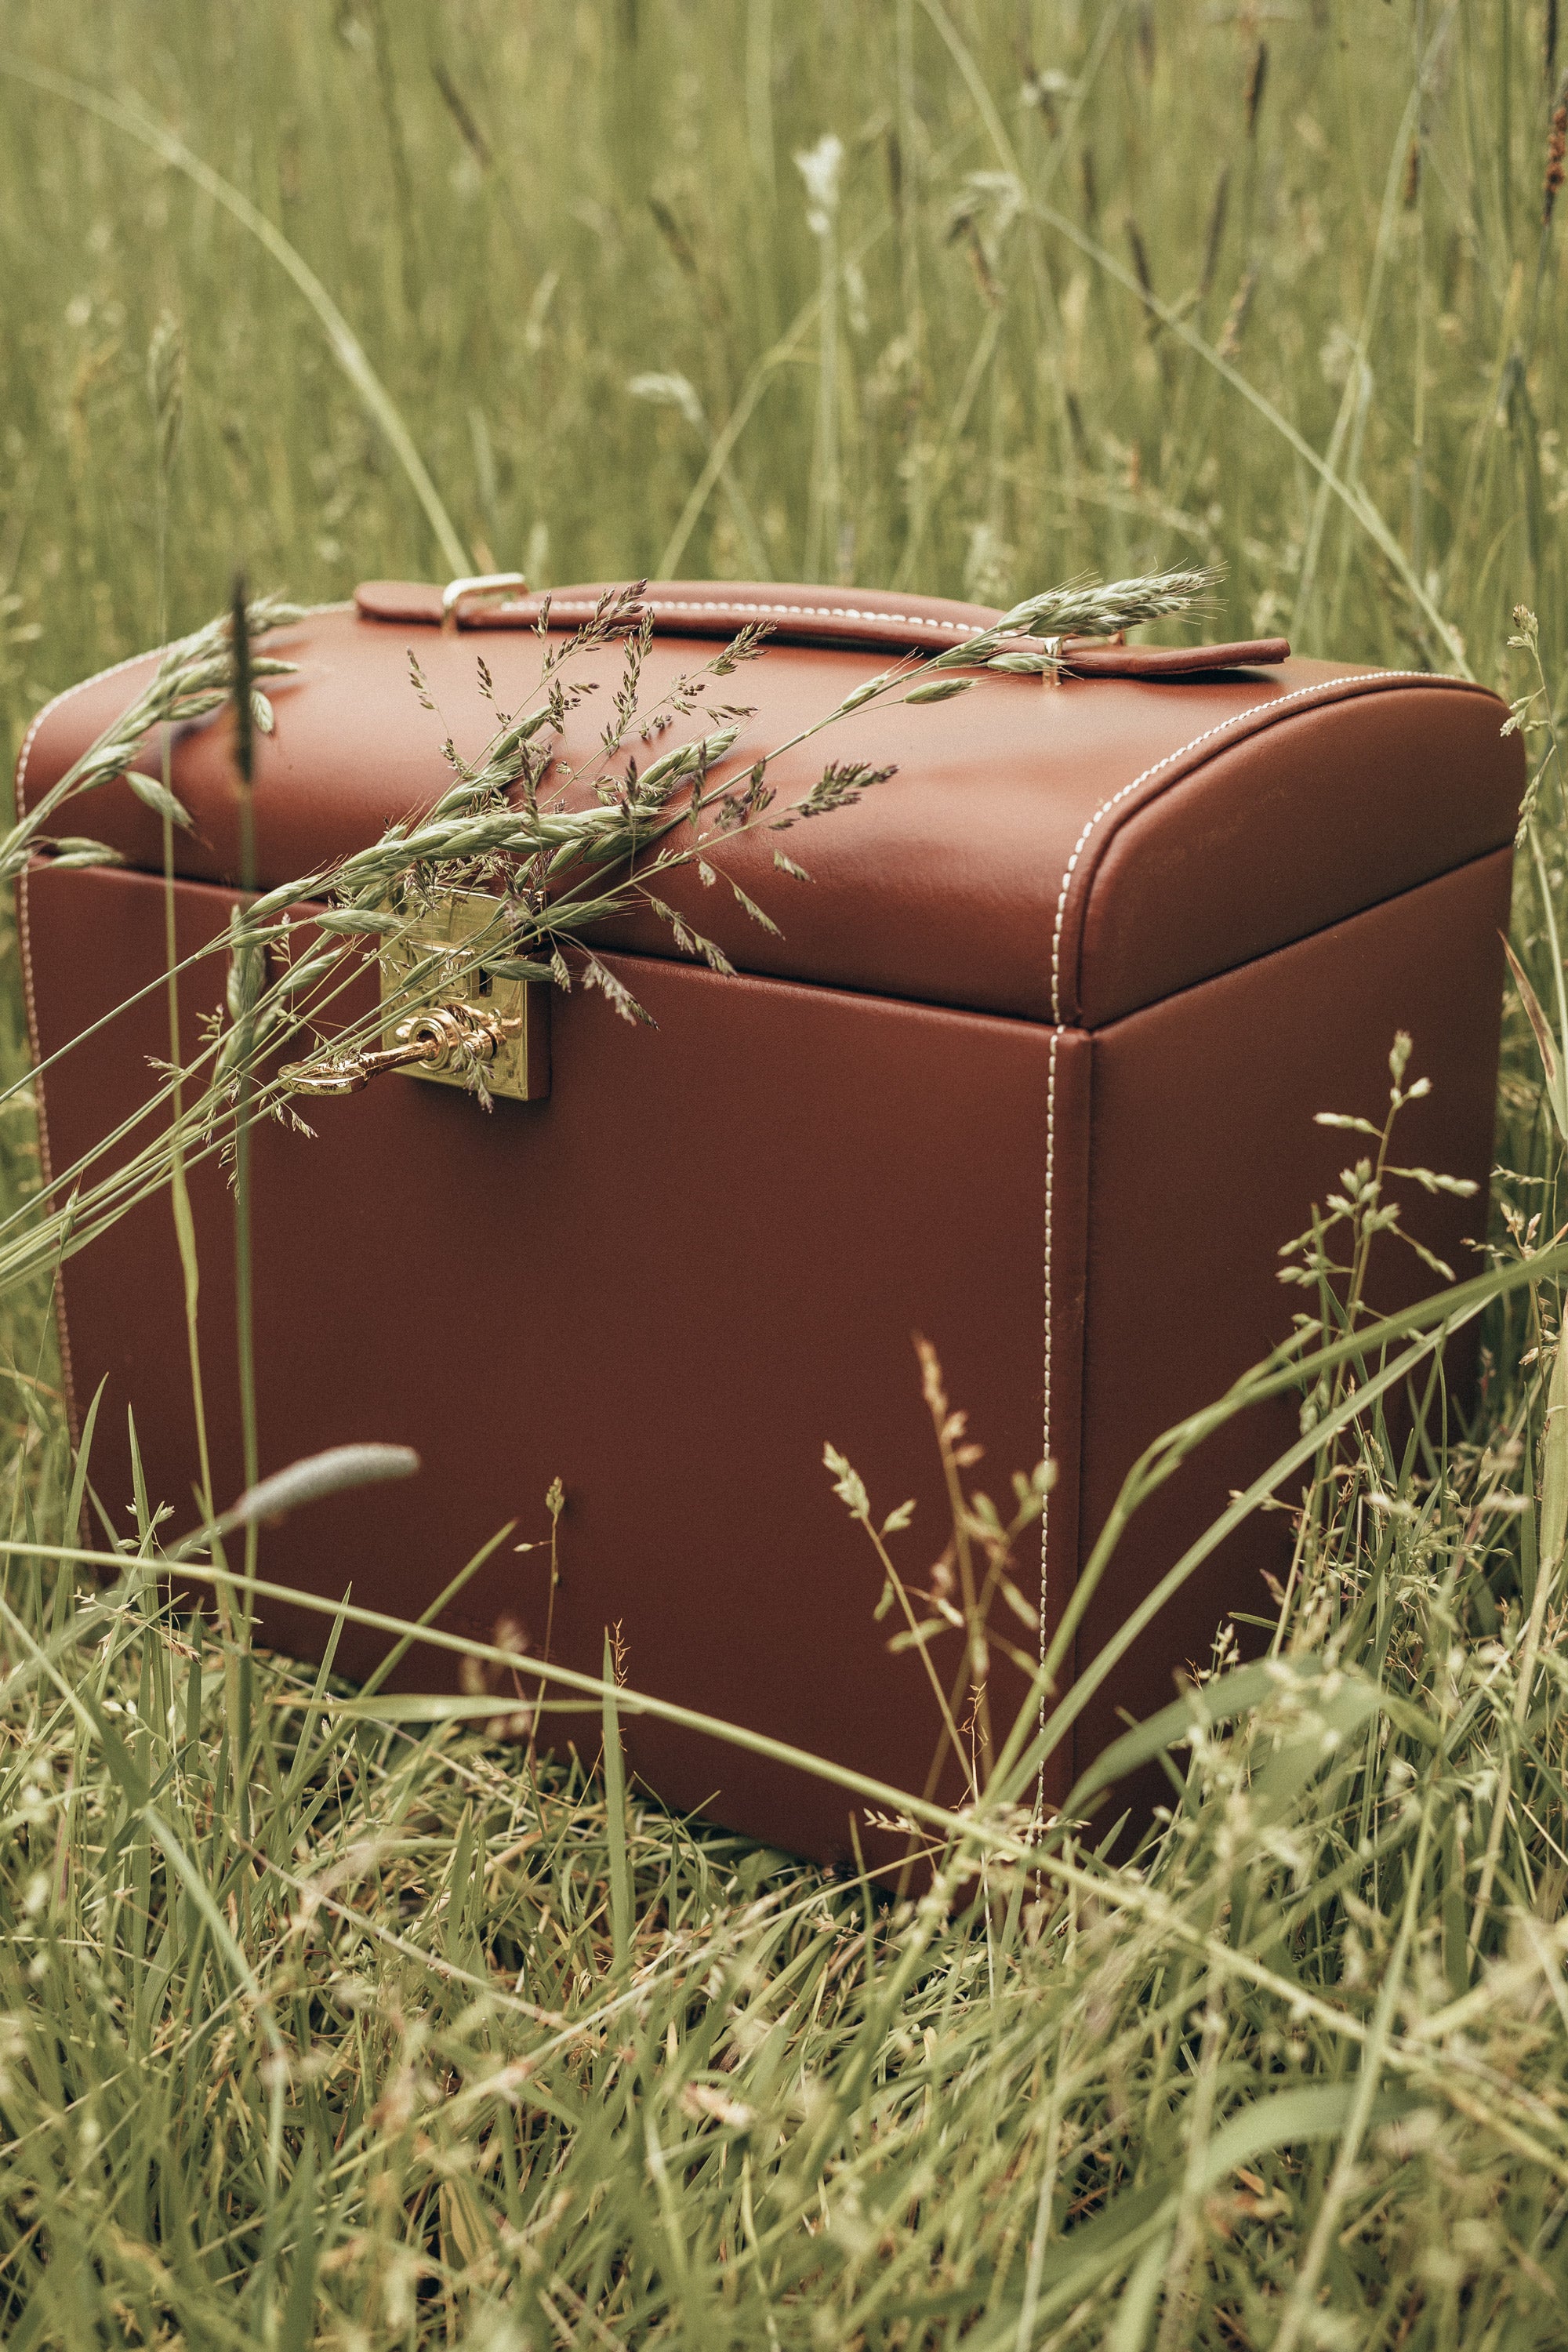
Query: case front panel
(707,1253)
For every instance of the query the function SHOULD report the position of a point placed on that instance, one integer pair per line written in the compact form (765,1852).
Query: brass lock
(467,1021)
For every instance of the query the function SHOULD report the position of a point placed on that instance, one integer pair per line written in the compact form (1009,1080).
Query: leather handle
(1085,659)
(850,618)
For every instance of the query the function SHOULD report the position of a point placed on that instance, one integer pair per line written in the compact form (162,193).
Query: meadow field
(328,2028)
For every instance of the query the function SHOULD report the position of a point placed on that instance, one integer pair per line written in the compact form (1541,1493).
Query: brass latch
(467,1022)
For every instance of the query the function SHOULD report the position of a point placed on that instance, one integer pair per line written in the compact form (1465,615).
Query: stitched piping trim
(31,1003)
(1046,1413)
(46,1164)
(97,678)
(30,993)
(30,738)
(791,612)
(1211,734)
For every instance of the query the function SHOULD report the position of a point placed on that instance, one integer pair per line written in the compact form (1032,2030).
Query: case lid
(1060,851)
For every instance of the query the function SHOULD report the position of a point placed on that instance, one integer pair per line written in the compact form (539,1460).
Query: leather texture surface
(1058,853)
(1203,1162)
(707,1253)
(810,616)
(1032,1072)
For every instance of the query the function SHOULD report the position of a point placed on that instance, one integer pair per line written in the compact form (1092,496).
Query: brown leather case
(1032,1072)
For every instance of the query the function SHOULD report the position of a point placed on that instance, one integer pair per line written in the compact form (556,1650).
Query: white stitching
(793,612)
(149,653)
(30,995)
(50,709)
(45,1167)
(1238,719)
(1046,1414)
(30,1004)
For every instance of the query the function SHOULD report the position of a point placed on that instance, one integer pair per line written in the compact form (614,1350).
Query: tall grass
(516,213)
(350,2022)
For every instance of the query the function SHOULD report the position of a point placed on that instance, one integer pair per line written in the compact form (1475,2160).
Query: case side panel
(1205,1160)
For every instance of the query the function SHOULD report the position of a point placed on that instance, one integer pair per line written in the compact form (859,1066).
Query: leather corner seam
(1280,704)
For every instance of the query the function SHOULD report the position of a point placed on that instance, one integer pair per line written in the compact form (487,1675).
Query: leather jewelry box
(1030,1069)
